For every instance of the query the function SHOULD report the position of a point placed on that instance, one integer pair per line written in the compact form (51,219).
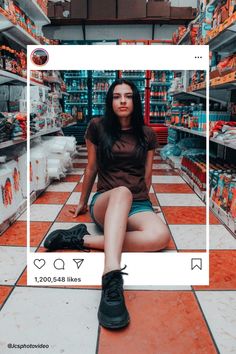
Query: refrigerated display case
(158,102)
(77,101)
(159,99)
(101,81)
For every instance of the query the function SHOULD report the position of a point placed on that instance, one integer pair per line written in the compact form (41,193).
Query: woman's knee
(121,193)
(157,238)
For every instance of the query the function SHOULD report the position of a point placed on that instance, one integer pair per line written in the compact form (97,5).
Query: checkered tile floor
(199,319)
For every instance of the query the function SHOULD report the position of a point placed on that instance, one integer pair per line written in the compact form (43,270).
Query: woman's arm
(148,168)
(89,178)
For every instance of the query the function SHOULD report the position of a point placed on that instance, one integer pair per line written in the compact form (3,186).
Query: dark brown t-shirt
(125,169)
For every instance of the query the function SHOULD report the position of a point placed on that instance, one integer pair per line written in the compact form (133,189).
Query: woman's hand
(81,209)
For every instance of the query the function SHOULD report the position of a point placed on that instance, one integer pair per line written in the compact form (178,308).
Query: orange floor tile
(222,271)
(187,215)
(4,293)
(52,198)
(161,322)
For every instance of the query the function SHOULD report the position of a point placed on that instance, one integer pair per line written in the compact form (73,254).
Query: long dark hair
(112,127)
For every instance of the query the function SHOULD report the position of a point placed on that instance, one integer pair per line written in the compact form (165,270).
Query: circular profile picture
(39,57)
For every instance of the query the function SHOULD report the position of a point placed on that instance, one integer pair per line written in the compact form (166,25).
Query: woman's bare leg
(111,210)
(141,232)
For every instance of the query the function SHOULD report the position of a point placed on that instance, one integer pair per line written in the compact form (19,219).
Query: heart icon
(39,263)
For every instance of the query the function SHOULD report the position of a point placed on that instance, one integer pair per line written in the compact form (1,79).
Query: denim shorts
(137,206)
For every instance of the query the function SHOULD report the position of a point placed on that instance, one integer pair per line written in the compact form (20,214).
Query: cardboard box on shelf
(51,10)
(127,9)
(62,10)
(181,13)
(79,9)
(158,9)
(131,9)
(102,9)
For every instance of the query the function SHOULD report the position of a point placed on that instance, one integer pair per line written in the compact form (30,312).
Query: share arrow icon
(78,262)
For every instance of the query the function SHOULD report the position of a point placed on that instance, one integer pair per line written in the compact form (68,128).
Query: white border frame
(141,266)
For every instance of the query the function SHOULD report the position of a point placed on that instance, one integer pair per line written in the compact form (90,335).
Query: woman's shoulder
(148,130)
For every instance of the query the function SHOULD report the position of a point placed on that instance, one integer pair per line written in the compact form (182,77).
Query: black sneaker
(67,239)
(112,312)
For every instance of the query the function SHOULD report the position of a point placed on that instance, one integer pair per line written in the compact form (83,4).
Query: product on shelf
(11,189)
(222,186)
(12,60)
(13,12)
(195,168)
(222,129)
(13,126)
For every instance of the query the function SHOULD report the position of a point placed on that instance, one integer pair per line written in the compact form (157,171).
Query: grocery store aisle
(164,320)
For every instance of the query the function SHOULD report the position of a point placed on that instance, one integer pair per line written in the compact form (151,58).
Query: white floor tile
(12,263)
(181,199)
(74,198)
(189,236)
(62,187)
(158,287)
(80,160)
(161,166)
(42,212)
(219,309)
(167,179)
(76,171)
(221,238)
(65,319)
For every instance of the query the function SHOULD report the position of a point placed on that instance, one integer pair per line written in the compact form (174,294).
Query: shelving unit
(20,38)
(16,33)
(191,131)
(221,40)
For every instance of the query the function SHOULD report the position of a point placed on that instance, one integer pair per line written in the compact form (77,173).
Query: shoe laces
(75,241)
(114,287)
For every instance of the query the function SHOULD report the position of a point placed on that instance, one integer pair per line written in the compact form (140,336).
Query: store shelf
(160,83)
(45,132)
(16,33)
(159,102)
(74,77)
(8,143)
(133,77)
(222,39)
(135,21)
(187,95)
(217,141)
(191,131)
(196,189)
(75,103)
(223,216)
(34,11)
(186,36)
(79,91)
(7,77)
(103,77)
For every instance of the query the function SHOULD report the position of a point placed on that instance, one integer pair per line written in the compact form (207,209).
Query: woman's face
(122,102)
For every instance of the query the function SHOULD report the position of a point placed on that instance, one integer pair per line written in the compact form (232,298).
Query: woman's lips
(123,109)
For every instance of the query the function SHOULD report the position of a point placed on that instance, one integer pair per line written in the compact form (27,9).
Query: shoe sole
(54,234)
(113,325)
